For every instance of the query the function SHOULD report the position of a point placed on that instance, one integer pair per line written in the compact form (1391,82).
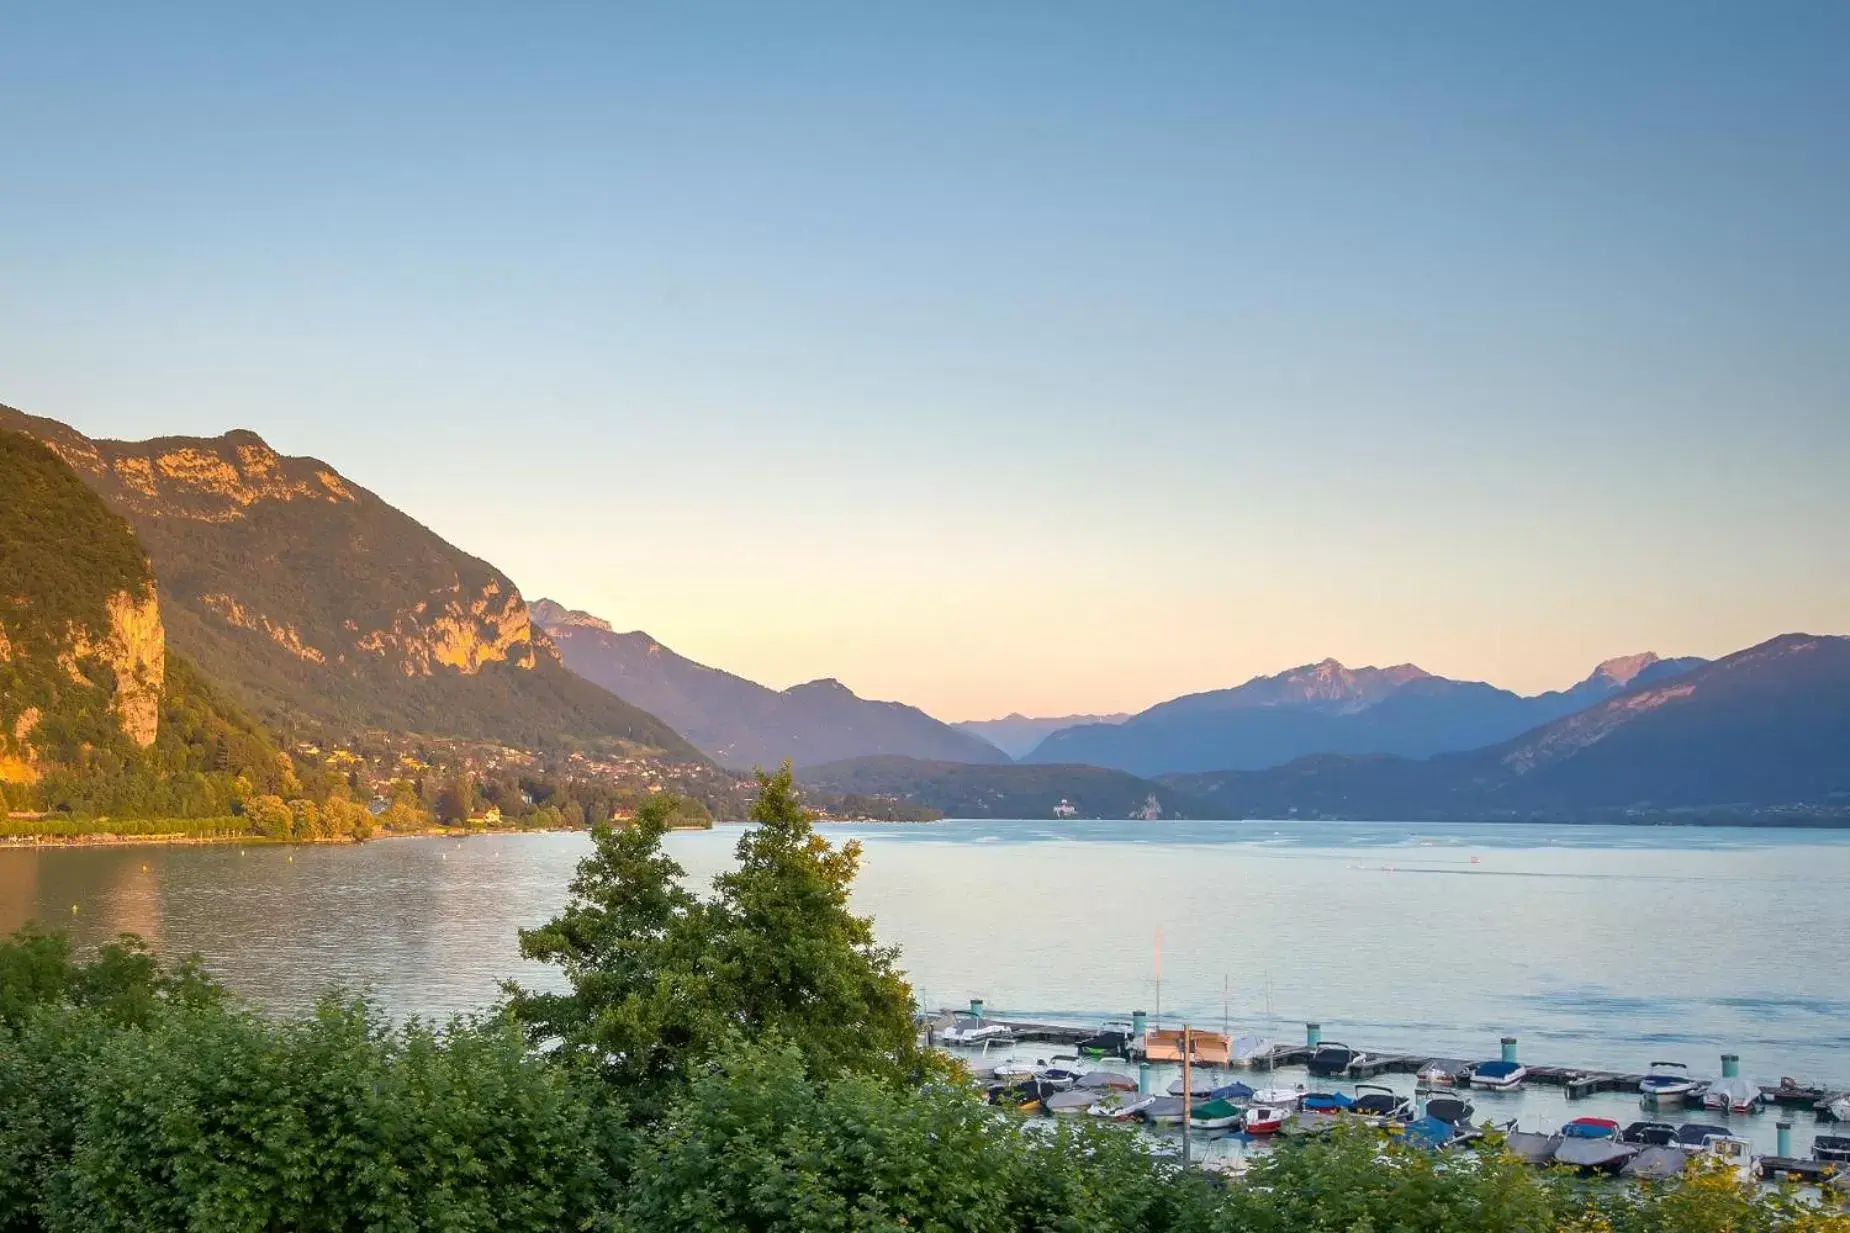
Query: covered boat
(1656,1164)
(1286,1096)
(1527,1145)
(1113,1039)
(1839,1109)
(1605,1155)
(1333,1058)
(1428,1132)
(1165,1110)
(1237,1092)
(1106,1080)
(969,1032)
(1250,1050)
(1304,1125)
(1215,1115)
(1061,1077)
(1199,1086)
(1070,1103)
(1443,1072)
(1120,1105)
(1499,1076)
(1012,1070)
(1696,1135)
(1265,1119)
(1325,1102)
(1732,1095)
(1834,1149)
(1649,1134)
(1667,1082)
(1374,1100)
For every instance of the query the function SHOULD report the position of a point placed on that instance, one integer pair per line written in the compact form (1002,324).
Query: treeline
(744,1060)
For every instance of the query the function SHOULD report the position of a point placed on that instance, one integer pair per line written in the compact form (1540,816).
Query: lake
(1597,946)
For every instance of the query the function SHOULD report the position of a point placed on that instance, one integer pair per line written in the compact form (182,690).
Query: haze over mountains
(1326,708)
(740,723)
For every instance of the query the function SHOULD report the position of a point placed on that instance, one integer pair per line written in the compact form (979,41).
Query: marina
(1646,1122)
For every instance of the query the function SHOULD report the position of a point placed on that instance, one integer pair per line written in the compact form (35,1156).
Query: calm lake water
(1596,946)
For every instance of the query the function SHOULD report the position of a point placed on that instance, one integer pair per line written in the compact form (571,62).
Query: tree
(455,800)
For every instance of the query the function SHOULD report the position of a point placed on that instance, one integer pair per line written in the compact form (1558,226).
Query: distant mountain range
(743,724)
(1765,731)
(1017,734)
(961,790)
(1326,708)
(314,601)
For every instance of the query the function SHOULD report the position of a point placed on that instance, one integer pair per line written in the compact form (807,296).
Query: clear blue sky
(1044,357)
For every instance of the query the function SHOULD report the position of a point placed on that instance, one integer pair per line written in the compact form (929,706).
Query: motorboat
(1325,1102)
(1070,1103)
(1376,1101)
(1591,1128)
(1250,1050)
(1060,1074)
(1165,1110)
(1264,1119)
(1498,1076)
(1695,1136)
(1734,1152)
(1332,1058)
(1285,1096)
(1305,1125)
(1024,1097)
(1649,1134)
(1839,1109)
(1656,1163)
(1451,1109)
(1667,1082)
(1733,1095)
(1200,1086)
(1429,1132)
(1443,1072)
(1236,1091)
(1602,1154)
(1119,1105)
(1215,1115)
(1113,1039)
(1531,1147)
(1831,1148)
(1106,1080)
(969,1033)
(1012,1070)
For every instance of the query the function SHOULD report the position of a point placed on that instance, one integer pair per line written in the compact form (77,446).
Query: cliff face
(82,645)
(313,599)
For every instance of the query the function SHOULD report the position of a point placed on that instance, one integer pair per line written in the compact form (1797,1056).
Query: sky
(1047,357)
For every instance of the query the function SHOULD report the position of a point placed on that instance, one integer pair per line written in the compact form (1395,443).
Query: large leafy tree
(661,978)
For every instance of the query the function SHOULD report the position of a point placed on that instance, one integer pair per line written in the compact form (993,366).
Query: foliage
(660,977)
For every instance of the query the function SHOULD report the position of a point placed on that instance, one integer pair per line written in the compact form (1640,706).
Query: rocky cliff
(317,602)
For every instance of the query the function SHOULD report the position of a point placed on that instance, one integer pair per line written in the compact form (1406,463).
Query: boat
(968,1033)
(1286,1096)
(1656,1162)
(1164,1110)
(1734,1152)
(1059,1077)
(1531,1147)
(1839,1109)
(1325,1102)
(1429,1132)
(1199,1086)
(1451,1110)
(1332,1058)
(1215,1115)
(1695,1136)
(1236,1091)
(1498,1076)
(1831,1149)
(1106,1080)
(1733,1094)
(1012,1070)
(1250,1050)
(1649,1134)
(1374,1100)
(1443,1072)
(1119,1105)
(1070,1103)
(1591,1128)
(1021,1097)
(1667,1082)
(1265,1119)
(1602,1154)
(1113,1039)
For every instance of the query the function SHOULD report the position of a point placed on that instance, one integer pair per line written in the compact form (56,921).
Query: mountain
(96,713)
(1016,734)
(963,790)
(741,723)
(1765,730)
(314,601)
(1326,708)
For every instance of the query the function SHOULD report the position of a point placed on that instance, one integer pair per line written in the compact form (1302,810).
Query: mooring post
(1784,1150)
(1731,1068)
(1140,1025)
(1143,1078)
(1313,1034)
(976,1009)
(1509,1048)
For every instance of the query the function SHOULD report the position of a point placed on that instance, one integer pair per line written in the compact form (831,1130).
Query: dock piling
(1140,1025)
(976,1009)
(1731,1068)
(1509,1048)
(1313,1034)
(1784,1149)
(1143,1078)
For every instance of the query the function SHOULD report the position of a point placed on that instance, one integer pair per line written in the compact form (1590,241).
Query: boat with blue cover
(1667,1081)
(1326,1102)
(1498,1076)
